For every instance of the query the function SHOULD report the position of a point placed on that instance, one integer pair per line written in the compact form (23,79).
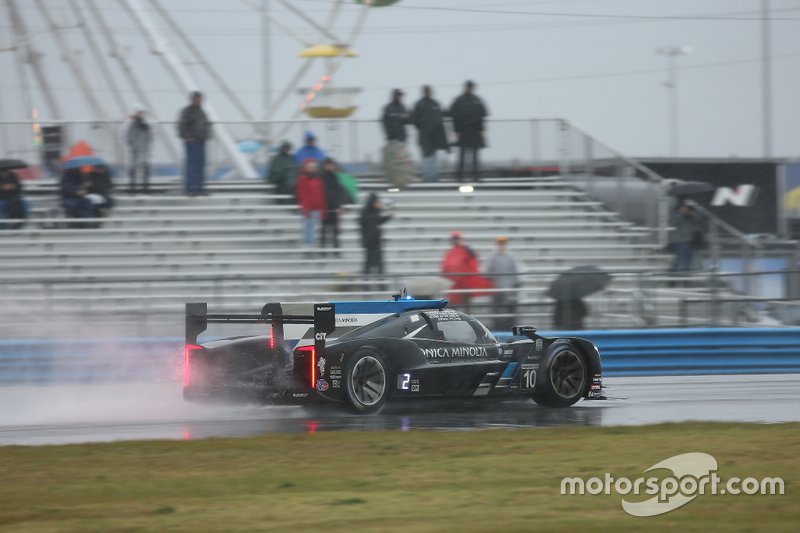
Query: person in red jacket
(461,259)
(311,199)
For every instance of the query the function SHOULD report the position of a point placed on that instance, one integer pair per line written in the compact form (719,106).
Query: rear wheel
(367,382)
(563,379)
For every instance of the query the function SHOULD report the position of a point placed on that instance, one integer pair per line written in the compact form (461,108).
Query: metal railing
(533,147)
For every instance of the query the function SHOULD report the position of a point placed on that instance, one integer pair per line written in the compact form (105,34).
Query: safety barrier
(647,352)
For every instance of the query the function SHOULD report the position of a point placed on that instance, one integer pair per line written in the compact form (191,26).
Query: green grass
(498,480)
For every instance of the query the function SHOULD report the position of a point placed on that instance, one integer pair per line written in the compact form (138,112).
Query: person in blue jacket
(309,150)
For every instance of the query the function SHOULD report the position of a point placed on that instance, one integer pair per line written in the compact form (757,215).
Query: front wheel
(367,382)
(564,378)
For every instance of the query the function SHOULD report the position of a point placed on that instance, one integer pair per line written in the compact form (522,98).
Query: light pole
(672,53)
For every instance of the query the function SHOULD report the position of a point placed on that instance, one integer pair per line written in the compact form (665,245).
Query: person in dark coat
(282,170)
(569,314)
(335,200)
(195,129)
(469,113)
(398,167)
(429,121)
(74,188)
(12,204)
(373,216)
(395,118)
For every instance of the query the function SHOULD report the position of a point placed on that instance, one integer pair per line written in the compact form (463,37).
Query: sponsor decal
(741,196)
(415,387)
(443,315)
(299,394)
(457,351)
(321,365)
(414,318)
(346,320)
(539,344)
(671,484)
(322,385)
(529,366)
(336,384)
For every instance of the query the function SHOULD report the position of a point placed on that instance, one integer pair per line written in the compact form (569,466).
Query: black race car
(364,354)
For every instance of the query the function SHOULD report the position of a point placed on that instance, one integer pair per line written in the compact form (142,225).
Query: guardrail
(656,352)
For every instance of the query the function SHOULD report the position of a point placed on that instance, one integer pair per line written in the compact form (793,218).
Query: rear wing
(323,320)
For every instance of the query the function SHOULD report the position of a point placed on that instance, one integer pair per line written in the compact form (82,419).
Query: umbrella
(84,161)
(12,164)
(427,286)
(250,147)
(577,283)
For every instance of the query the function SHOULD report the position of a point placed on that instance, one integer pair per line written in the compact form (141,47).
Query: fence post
(563,149)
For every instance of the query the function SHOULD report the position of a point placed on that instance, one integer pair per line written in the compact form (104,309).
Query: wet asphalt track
(90,413)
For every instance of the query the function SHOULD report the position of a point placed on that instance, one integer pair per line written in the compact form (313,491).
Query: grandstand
(240,247)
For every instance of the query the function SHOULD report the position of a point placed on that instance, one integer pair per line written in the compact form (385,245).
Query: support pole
(94,48)
(175,67)
(33,57)
(129,70)
(94,103)
(766,77)
(212,72)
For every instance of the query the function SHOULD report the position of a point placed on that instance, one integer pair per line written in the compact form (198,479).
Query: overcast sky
(592,62)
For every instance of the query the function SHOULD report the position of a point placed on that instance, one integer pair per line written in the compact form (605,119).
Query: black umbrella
(577,283)
(12,164)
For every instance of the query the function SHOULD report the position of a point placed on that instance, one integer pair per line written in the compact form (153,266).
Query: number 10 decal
(529,379)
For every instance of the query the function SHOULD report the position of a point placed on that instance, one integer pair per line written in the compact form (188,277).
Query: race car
(365,354)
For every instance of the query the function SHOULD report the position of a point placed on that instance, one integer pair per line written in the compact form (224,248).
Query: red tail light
(187,363)
(312,357)
(272,336)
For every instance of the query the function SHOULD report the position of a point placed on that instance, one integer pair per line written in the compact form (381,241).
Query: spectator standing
(687,228)
(504,273)
(12,204)
(195,129)
(397,162)
(569,314)
(429,121)
(311,199)
(140,142)
(335,199)
(469,113)
(282,171)
(309,150)
(462,267)
(373,217)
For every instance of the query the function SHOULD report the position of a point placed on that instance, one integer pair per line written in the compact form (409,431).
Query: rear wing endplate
(323,320)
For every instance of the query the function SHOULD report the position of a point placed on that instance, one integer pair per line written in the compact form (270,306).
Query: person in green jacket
(282,170)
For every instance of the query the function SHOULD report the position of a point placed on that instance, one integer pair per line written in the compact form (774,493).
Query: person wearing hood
(309,150)
(140,141)
(462,267)
(282,170)
(373,216)
(311,199)
(429,121)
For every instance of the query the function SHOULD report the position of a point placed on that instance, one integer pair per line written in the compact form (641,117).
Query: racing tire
(563,378)
(366,382)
